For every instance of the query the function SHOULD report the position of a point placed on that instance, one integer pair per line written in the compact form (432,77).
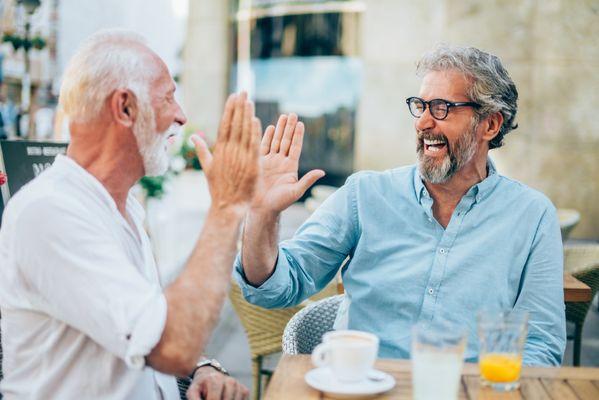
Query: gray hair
(491,86)
(108,60)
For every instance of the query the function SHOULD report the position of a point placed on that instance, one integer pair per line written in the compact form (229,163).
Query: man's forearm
(260,246)
(194,300)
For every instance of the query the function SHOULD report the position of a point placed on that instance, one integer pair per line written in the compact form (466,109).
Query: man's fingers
(276,140)
(229,389)
(193,392)
(224,129)
(248,124)
(254,145)
(214,389)
(288,134)
(204,155)
(242,392)
(237,124)
(266,139)
(297,142)
(308,180)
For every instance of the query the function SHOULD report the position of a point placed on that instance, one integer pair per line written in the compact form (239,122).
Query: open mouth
(434,145)
(170,139)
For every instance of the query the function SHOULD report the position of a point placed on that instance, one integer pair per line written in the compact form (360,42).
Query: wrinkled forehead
(450,85)
(161,81)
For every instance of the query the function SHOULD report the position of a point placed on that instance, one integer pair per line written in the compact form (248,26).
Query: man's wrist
(213,364)
(230,213)
(263,215)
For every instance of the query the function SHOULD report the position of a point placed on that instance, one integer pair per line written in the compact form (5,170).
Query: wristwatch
(211,362)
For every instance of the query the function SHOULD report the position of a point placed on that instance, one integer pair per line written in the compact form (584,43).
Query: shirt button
(431,291)
(442,251)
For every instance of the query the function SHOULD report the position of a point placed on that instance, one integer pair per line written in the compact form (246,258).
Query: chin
(157,166)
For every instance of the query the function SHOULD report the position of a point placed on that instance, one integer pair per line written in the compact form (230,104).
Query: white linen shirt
(80,294)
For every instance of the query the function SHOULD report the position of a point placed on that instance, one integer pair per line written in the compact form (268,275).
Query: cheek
(162,123)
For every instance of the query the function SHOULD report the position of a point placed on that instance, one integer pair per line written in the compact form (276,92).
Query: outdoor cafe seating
(583,263)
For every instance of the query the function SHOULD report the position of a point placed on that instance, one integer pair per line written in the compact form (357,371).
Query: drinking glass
(501,339)
(437,359)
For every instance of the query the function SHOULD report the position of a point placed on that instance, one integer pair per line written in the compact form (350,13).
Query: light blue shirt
(501,249)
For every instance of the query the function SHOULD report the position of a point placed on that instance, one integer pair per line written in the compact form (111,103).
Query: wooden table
(575,290)
(536,382)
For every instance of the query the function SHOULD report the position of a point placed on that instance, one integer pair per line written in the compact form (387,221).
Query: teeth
(433,142)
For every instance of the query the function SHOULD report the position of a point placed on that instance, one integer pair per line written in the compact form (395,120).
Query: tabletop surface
(575,290)
(536,383)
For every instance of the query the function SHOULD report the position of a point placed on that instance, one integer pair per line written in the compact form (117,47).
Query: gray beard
(457,156)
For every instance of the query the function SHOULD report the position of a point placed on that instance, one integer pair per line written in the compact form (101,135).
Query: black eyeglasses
(438,108)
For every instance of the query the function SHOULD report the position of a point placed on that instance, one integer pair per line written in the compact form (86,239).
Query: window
(303,58)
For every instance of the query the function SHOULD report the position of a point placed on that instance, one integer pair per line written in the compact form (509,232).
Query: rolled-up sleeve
(542,295)
(76,272)
(308,261)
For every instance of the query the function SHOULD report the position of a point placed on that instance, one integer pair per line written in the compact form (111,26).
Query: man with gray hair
(440,239)
(85,311)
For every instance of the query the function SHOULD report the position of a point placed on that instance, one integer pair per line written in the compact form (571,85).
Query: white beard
(152,145)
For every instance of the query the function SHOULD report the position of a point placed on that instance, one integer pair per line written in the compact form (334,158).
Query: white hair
(108,60)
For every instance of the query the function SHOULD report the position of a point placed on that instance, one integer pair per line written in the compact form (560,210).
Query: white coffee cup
(349,354)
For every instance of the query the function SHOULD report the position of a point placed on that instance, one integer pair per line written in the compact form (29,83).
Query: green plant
(153,186)
(17,41)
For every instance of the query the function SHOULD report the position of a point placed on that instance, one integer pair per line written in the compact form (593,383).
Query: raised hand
(232,171)
(280,151)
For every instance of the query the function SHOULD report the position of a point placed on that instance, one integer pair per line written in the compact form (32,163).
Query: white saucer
(322,379)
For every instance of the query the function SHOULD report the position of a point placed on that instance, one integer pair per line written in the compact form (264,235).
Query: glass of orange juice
(501,338)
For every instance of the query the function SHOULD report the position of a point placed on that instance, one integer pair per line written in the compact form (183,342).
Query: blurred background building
(345,67)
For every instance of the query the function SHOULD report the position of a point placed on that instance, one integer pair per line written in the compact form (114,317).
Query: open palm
(281,147)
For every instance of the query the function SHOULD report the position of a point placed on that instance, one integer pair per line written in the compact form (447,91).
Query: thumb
(202,151)
(308,180)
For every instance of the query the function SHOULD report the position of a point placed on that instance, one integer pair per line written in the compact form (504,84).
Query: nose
(426,121)
(180,117)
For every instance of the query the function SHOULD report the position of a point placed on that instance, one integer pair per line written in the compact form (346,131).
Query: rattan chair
(583,263)
(568,219)
(305,330)
(264,329)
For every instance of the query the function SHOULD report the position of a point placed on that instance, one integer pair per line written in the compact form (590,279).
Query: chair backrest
(305,330)
(568,219)
(263,327)
(583,263)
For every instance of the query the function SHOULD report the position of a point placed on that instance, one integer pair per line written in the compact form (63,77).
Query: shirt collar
(71,166)
(480,191)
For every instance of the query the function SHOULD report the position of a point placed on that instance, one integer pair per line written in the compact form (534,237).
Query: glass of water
(437,359)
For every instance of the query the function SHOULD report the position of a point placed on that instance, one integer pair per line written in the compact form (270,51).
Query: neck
(110,155)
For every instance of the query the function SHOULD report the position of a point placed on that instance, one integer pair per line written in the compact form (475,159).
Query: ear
(492,125)
(123,107)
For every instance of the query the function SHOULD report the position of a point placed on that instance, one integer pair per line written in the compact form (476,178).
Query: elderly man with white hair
(85,311)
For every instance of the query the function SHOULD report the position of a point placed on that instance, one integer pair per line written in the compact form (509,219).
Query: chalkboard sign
(24,160)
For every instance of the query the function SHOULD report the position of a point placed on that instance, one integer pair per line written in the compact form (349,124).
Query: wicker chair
(568,219)
(305,330)
(264,329)
(583,263)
